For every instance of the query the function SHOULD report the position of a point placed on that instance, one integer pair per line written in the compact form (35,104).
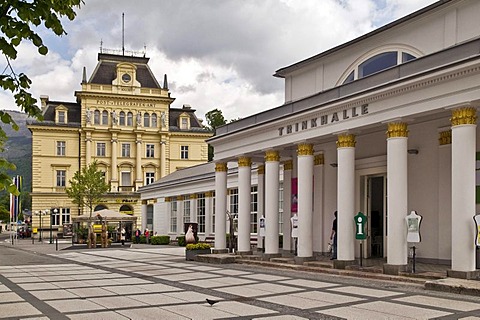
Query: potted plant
(193,249)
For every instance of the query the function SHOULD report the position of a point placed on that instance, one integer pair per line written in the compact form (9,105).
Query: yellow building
(123,120)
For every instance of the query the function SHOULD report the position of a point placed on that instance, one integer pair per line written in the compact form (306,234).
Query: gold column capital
(445,137)
(244,161)
(209,194)
(467,115)
(288,165)
(397,129)
(319,159)
(305,149)
(168,199)
(220,167)
(272,155)
(179,198)
(261,169)
(346,140)
(193,196)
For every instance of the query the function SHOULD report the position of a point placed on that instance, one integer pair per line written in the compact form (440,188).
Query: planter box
(191,254)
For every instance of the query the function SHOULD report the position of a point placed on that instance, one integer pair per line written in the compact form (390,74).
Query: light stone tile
(25,279)
(265,277)
(91,292)
(7,268)
(366,291)
(155,299)
(296,302)
(234,281)
(187,276)
(53,294)
(283,317)
(103,282)
(18,309)
(243,291)
(4,288)
(56,278)
(126,289)
(170,271)
(190,296)
(326,297)
(442,303)
(352,313)
(401,310)
(150,313)
(198,312)
(117,302)
(202,268)
(9,297)
(470,318)
(230,272)
(71,284)
(132,281)
(37,286)
(207,283)
(74,305)
(158,287)
(241,309)
(308,283)
(273,288)
(104,315)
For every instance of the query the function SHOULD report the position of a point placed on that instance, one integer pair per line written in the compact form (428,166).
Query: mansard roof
(74,116)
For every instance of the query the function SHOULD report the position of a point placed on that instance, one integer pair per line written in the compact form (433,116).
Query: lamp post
(54,211)
(40,214)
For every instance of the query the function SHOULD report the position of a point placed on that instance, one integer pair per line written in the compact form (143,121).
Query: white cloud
(217,54)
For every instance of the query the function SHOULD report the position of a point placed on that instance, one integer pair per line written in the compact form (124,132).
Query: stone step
(319,264)
(251,257)
(374,269)
(429,275)
(283,260)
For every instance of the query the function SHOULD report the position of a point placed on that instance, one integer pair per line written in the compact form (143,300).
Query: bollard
(56,243)
(361,254)
(413,260)
(33,239)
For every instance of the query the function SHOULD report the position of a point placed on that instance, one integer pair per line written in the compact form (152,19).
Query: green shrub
(181,241)
(155,240)
(82,232)
(142,239)
(198,246)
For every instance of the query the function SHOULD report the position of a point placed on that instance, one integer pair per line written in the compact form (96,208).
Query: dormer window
(61,114)
(184,122)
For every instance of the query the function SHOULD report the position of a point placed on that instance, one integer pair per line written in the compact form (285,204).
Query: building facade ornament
(220,167)
(209,194)
(244,162)
(346,140)
(445,137)
(272,155)
(288,165)
(397,130)
(319,159)
(305,149)
(467,115)
(261,169)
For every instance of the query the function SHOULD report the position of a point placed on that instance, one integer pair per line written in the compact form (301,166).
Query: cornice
(119,96)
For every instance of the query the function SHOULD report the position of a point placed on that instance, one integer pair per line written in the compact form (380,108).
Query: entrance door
(376,211)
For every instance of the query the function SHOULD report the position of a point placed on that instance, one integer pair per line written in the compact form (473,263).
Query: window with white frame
(55,216)
(184,123)
(101,146)
(65,215)
(201,212)
(149,178)
(280,207)
(61,148)
(122,118)
(62,117)
(213,214)
(146,119)
(61,178)
(183,152)
(186,210)
(154,120)
(173,215)
(129,119)
(96,117)
(233,201)
(150,150)
(126,150)
(253,209)
(105,117)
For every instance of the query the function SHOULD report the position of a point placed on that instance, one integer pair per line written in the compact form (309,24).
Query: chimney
(44,101)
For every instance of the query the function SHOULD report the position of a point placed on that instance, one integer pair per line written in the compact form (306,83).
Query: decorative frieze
(220,167)
(288,165)
(261,169)
(272,155)
(305,149)
(168,199)
(445,137)
(244,162)
(346,140)
(319,159)
(397,129)
(467,115)
(209,194)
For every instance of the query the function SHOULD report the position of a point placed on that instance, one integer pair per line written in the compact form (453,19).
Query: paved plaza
(157,283)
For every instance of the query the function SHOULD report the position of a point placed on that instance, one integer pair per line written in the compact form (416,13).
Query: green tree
(19,21)
(87,188)
(214,119)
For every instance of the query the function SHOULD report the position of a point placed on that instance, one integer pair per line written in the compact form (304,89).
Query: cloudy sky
(216,53)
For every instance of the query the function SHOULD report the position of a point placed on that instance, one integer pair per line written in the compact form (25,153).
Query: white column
(261,202)
(287,205)
(445,195)
(397,193)
(463,188)
(305,200)
(163,159)
(220,205)
(138,163)
(144,214)
(346,197)
(244,195)
(272,176)
(88,149)
(318,234)
(114,179)
(208,213)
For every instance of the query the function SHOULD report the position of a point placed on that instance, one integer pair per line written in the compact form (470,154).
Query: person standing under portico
(333,236)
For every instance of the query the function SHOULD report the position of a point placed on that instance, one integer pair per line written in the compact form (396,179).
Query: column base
(244,253)
(468,275)
(301,260)
(260,249)
(394,269)
(268,256)
(342,264)
(217,251)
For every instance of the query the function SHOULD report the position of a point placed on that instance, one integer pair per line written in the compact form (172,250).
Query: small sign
(262,226)
(294,221)
(34,230)
(67,229)
(360,221)
(97,228)
(413,227)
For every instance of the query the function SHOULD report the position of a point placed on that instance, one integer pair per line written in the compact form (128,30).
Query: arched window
(122,118)
(146,119)
(126,209)
(129,119)
(154,120)
(100,207)
(96,117)
(105,117)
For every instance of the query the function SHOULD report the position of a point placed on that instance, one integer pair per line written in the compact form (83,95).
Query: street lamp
(40,214)
(54,211)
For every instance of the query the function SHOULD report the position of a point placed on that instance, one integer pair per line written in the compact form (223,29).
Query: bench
(211,240)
